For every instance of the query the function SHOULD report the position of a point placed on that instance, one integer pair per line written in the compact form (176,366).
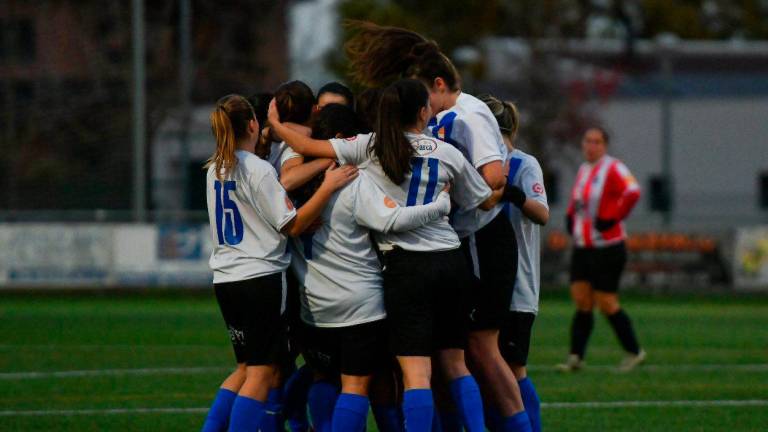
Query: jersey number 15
(229,223)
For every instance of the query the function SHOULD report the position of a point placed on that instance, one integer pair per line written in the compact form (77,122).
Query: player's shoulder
(253,166)
(527,160)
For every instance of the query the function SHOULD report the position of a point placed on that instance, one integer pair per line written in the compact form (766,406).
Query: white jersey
(525,173)
(338,270)
(246,212)
(471,127)
(434,165)
(279,153)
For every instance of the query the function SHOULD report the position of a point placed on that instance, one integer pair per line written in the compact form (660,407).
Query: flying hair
(379,55)
(399,108)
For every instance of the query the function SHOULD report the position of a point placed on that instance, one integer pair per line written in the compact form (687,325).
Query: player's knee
(354,384)
(608,305)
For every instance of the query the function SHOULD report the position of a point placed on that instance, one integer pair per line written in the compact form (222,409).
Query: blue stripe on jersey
(413,188)
(432,122)
(446,124)
(429,195)
(514,167)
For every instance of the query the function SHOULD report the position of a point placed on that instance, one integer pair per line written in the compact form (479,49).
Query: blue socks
(516,423)
(218,415)
(322,402)
(531,402)
(388,418)
(418,410)
(351,413)
(247,414)
(295,399)
(469,403)
(273,420)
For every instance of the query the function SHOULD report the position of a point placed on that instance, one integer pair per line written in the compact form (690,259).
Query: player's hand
(604,224)
(514,194)
(314,226)
(272,114)
(444,200)
(337,178)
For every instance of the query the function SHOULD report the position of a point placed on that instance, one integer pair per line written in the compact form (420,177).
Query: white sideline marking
(106,411)
(561,405)
(673,403)
(6,376)
(755,367)
(109,372)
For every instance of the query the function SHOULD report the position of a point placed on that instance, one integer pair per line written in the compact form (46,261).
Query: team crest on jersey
(538,188)
(425,146)
(288,203)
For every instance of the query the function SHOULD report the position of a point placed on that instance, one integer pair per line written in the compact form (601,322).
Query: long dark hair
(294,101)
(398,108)
(378,55)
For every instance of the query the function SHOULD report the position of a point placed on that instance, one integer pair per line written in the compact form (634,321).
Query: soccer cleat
(572,364)
(631,361)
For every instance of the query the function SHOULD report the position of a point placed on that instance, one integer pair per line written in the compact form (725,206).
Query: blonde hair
(506,115)
(229,123)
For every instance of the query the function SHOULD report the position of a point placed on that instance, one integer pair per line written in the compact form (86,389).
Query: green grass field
(170,351)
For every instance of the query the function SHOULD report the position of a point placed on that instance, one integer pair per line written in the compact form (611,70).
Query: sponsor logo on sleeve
(389,202)
(537,188)
(352,138)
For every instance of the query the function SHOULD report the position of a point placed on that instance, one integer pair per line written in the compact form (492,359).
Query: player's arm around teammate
(466,123)
(249,214)
(603,195)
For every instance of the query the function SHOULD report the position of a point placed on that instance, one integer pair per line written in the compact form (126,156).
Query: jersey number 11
(229,223)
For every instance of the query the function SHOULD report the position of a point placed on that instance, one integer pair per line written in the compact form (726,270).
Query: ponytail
(506,115)
(399,108)
(229,123)
(379,55)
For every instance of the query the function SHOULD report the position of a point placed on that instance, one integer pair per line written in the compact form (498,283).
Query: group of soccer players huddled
(390,239)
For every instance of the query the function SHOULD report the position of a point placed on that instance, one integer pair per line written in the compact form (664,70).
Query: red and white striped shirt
(604,189)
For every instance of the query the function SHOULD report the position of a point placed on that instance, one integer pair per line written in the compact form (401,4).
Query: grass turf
(81,332)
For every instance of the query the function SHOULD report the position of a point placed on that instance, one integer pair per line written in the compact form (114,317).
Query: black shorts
(426,296)
(515,337)
(491,253)
(358,350)
(252,311)
(601,267)
(292,315)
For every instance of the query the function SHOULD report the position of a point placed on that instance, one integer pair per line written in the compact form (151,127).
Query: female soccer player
(335,93)
(342,292)
(425,275)
(250,215)
(488,239)
(527,209)
(602,196)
